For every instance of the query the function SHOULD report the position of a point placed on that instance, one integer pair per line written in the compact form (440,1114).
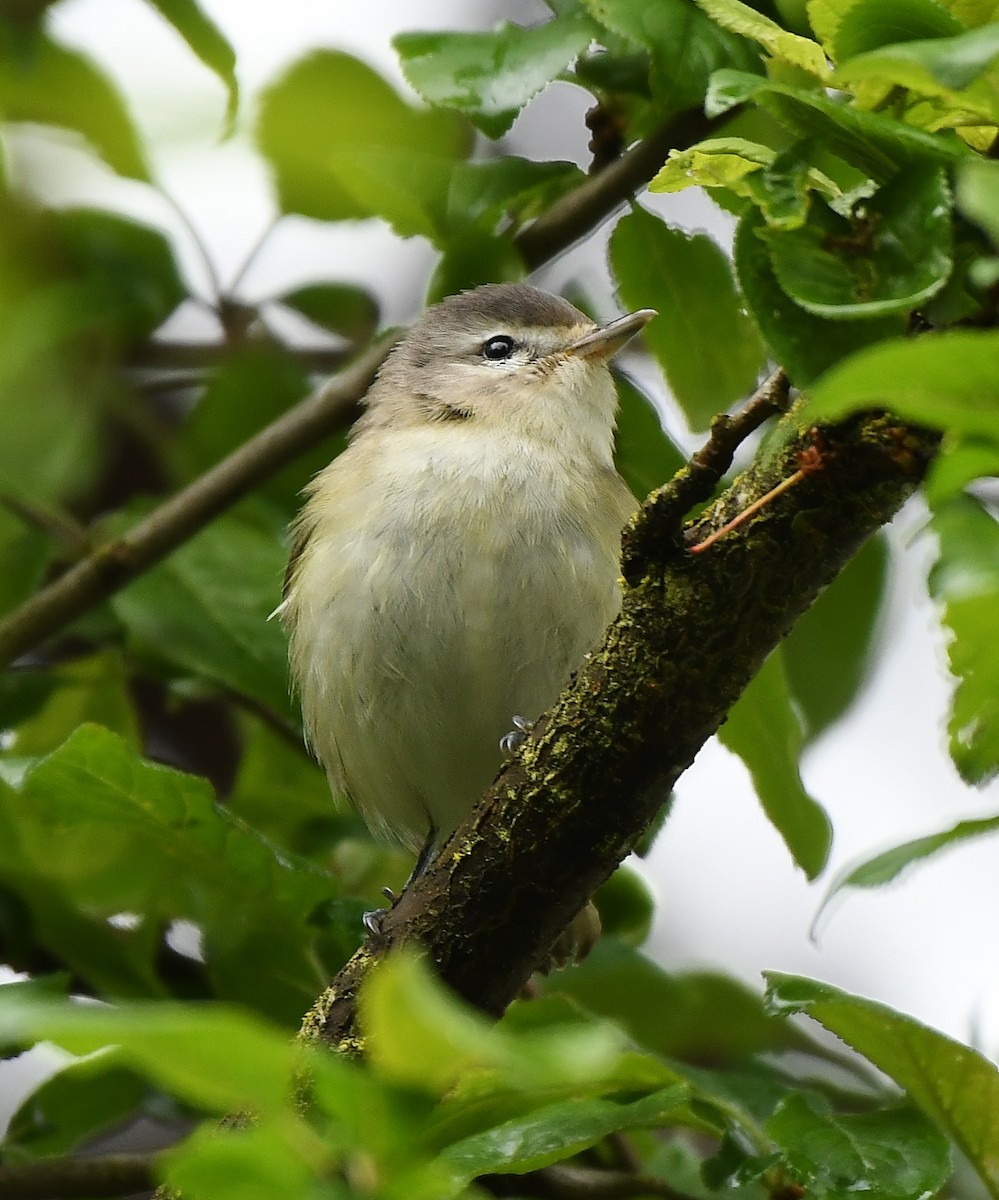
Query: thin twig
(70,1178)
(112,565)
(61,526)
(695,482)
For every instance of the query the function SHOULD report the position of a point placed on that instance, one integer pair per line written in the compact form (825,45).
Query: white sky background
(728,894)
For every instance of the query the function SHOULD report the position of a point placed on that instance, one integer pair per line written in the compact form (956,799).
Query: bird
(455,564)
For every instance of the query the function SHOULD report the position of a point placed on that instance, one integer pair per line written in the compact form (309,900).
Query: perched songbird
(458,560)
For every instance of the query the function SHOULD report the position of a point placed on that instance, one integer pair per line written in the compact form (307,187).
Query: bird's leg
(373,918)
(517,736)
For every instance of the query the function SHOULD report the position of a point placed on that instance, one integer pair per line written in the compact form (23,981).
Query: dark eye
(498,348)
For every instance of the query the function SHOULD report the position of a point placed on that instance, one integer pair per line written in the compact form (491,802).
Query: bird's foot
(517,736)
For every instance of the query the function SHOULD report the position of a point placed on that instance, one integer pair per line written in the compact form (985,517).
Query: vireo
(459,559)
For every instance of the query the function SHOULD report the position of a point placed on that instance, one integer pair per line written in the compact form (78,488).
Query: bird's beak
(603,343)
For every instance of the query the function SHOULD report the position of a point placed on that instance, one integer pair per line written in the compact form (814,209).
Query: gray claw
(517,736)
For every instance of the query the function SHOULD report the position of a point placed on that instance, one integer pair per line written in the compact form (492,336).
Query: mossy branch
(693,631)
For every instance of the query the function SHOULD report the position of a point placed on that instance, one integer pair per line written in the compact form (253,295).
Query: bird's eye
(498,348)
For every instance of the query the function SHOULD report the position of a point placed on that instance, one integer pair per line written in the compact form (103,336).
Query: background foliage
(166,841)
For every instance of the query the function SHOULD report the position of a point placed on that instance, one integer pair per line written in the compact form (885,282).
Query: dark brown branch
(693,631)
(117,562)
(587,206)
(69,1178)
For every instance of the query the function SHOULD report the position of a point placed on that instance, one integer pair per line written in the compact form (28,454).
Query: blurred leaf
(205,610)
(491,76)
(892,1153)
(877,145)
(965,580)
(25,552)
(644,453)
(88,1097)
(473,257)
(255,385)
(891,256)
(129,269)
(339,307)
(94,688)
(96,831)
(214,1057)
(955,1086)
(890,864)
(626,905)
(350,168)
(946,69)
(805,345)
(786,47)
(764,729)
(688,280)
(556,1132)
(870,24)
(958,463)
(208,42)
(977,195)
(947,380)
(420,1036)
(698,1017)
(685,45)
(44,82)
(827,655)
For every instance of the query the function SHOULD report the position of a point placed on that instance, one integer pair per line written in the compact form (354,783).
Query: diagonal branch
(110,567)
(693,631)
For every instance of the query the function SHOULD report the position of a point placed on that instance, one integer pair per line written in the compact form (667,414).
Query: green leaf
(955,1086)
(958,462)
(25,552)
(890,864)
(205,610)
(687,279)
(350,168)
(890,1153)
(254,386)
(825,17)
(96,831)
(828,654)
(626,905)
(556,1132)
(89,689)
(697,1016)
(716,162)
(977,195)
(644,453)
(785,47)
(339,307)
(88,1097)
(870,24)
(685,45)
(214,1057)
(891,256)
(208,42)
(506,191)
(949,69)
(491,76)
(765,731)
(44,82)
(947,380)
(420,1036)
(129,269)
(805,345)
(965,580)
(877,145)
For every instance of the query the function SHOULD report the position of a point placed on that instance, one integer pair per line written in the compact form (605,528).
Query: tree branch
(692,633)
(110,566)
(587,206)
(70,1178)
